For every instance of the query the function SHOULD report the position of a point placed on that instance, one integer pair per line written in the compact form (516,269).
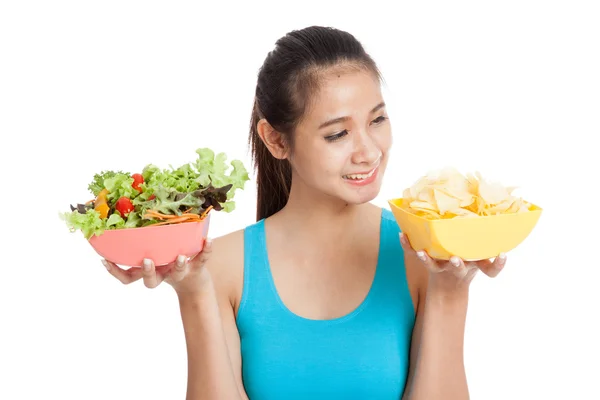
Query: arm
(210,331)
(206,288)
(212,339)
(437,368)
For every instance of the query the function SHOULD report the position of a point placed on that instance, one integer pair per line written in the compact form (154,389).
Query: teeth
(359,176)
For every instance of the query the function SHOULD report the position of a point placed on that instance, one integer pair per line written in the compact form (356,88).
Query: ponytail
(274,176)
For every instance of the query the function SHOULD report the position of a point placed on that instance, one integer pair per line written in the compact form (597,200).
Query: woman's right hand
(187,276)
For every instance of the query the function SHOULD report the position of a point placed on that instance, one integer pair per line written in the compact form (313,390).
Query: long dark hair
(286,80)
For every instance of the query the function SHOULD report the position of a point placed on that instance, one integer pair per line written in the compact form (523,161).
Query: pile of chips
(447,193)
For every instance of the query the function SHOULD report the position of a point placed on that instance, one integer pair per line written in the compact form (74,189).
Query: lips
(361,176)
(364,175)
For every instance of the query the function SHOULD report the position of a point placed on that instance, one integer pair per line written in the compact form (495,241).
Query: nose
(366,151)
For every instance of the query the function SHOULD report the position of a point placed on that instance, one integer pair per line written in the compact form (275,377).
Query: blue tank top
(362,355)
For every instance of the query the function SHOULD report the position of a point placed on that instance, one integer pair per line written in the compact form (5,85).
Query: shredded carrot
(205,213)
(176,220)
(165,219)
(158,215)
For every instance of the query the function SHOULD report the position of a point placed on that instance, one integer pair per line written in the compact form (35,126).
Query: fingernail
(147,264)
(180,260)
(209,242)
(454,261)
(106,265)
(502,257)
(402,240)
(421,255)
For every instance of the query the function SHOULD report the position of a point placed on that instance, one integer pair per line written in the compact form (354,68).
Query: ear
(273,139)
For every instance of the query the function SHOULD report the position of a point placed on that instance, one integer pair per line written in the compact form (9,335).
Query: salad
(156,196)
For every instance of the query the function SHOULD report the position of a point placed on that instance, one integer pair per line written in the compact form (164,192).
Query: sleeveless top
(362,355)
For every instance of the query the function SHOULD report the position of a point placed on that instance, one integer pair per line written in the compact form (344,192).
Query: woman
(322,297)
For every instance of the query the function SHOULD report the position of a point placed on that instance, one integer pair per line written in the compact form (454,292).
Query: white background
(507,88)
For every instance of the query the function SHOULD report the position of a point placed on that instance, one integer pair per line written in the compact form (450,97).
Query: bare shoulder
(226,265)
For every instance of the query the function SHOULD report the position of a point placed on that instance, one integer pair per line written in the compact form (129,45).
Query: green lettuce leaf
(207,173)
(89,223)
(209,181)
(97,183)
(119,185)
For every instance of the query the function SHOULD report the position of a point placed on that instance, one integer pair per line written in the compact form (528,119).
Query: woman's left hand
(455,272)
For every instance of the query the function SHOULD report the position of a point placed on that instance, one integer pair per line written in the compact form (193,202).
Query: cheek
(322,160)
(311,163)
(326,164)
(384,139)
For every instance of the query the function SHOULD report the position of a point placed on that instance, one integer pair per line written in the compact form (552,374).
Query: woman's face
(341,146)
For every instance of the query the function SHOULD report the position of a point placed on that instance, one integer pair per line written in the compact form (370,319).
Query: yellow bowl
(471,239)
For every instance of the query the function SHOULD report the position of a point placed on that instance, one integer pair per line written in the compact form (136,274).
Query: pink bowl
(162,244)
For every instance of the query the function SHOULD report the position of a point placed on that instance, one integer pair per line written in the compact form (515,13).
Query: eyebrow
(342,119)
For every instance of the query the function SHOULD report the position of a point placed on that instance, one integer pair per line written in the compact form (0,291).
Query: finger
(429,262)
(407,246)
(125,276)
(207,249)
(201,258)
(422,255)
(458,267)
(471,272)
(180,268)
(492,269)
(150,277)
(404,242)
(162,270)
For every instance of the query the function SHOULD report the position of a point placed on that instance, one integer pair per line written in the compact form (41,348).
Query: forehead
(351,93)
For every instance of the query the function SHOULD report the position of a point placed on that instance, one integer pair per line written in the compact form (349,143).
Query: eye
(337,136)
(379,120)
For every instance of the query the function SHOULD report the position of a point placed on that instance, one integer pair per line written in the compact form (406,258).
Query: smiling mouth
(360,177)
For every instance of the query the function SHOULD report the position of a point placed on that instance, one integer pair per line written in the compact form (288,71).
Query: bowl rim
(535,209)
(167,226)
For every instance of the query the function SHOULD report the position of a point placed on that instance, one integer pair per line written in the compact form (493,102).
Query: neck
(315,213)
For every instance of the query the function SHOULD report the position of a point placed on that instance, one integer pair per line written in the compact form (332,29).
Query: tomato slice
(124,206)
(138,179)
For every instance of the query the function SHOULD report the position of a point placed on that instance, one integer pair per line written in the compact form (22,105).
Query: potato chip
(445,202)
(447,193)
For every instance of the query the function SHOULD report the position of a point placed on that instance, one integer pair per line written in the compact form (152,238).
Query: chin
(362,192)
(362,198)
(360,195)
